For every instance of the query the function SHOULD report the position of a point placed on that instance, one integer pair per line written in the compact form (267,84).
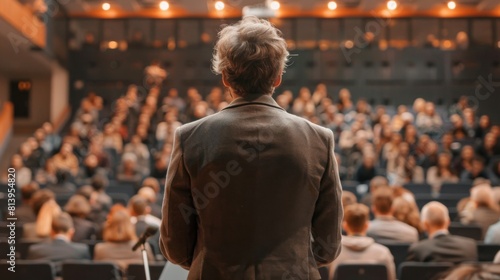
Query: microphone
(151,230)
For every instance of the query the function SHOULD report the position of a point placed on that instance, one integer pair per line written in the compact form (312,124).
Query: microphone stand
(145,261)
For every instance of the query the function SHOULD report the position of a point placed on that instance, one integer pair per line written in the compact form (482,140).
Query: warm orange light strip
(284,12)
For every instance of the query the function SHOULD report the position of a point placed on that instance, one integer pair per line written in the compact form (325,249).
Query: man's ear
(70,234)
(278,81)
(224,80)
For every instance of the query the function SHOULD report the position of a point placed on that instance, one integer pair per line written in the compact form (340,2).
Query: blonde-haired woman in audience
(406,211)
(119,237)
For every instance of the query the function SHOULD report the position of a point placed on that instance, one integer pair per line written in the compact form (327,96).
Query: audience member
(79,209)
(119,237)
(406,211)
(474,272)
(60,248)
(357,247)
(24,212)
(151,197)
(441,246)
(23,174)
(63,186)
(66,160)
(441,172)
(385,228)
(481,210)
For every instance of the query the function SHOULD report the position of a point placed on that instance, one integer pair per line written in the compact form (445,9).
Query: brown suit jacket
(252,192)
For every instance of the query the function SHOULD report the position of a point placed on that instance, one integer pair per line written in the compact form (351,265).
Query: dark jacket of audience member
(60,248)
(441,246)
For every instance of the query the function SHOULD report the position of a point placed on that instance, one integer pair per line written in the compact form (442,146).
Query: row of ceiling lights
(275,5)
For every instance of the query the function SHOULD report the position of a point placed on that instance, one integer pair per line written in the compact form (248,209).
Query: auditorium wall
(390,77)
(58,92)
(39,102)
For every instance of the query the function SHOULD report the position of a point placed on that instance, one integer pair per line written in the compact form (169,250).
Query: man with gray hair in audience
(441,246)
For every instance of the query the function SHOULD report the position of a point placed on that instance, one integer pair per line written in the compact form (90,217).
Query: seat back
(126,188)
(84,270)
(399,251)
(136,271)
(40,270)
(23,248)
(487,252)
(470,231)
(456,188)
(419,271)
(418,188)
(361,272)
(91,244)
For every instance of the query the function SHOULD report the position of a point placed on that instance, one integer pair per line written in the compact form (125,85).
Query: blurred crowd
(129,142)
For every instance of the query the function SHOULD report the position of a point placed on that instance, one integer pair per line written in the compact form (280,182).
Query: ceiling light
(164,5)
(275,5)
(332,5)
(112,45)
(452,5)
(106,6)
(392,5)
(219,5)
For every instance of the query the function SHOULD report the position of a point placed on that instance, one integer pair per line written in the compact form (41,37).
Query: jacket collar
(265,100)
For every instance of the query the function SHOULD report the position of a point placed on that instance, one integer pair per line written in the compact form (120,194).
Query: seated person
(79,209)
(66,159)
(493,234)
(151,197)
(481,210)
(357,247)
(385,228)
(63,185)
(24,212)
(119,237)
(441,246)
(140,210)
(45,208)
(60,248)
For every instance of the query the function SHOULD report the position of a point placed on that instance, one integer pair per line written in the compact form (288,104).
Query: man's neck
(359,234)
(436,232)
(61,237)
(384,216)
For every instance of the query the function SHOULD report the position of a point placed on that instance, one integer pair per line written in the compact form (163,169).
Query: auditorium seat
(419,270)
(120,198)
(447,200)
(399,251)
(487,252)
(418,188)
(91,244)
(470,231)
(84,270)
(23,247)
(456,189)
(40,270)
(127,188)
(361,272)
(136,271)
